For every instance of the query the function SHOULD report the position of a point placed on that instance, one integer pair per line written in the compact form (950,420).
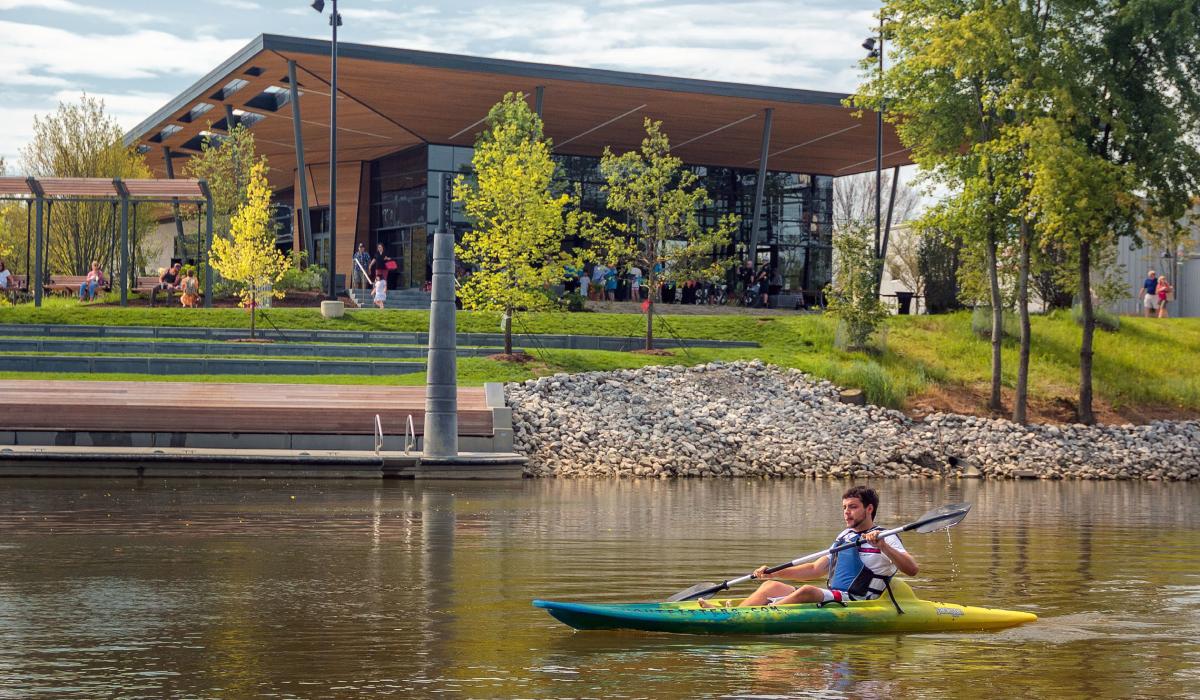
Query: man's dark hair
(867,496)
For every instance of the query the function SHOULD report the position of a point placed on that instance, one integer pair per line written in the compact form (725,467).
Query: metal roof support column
(124,192)
(538,94)
(175,203)
(301,170)
(33,278)
(208,233)
(887,230)
(441,384)
(231,119)
(760,184)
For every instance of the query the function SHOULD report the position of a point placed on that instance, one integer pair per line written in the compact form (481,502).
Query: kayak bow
(877,616)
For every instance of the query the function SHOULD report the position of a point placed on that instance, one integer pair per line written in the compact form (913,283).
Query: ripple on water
(232,589)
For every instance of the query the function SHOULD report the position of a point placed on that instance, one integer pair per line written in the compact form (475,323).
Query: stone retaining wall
(750,419)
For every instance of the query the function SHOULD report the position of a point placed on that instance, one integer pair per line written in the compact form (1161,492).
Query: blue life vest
(848,572)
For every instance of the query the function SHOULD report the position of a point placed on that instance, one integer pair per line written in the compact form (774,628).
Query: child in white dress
(380,290)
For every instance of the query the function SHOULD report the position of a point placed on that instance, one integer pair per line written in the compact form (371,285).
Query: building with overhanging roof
(404,116)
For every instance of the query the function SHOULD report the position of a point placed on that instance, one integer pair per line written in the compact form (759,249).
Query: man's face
(853,512)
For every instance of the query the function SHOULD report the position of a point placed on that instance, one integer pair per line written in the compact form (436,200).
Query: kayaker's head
(859,505)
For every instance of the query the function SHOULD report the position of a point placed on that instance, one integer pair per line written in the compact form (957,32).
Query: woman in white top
(380,289)
(5,276)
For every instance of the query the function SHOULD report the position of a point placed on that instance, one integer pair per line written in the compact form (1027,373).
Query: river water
(230,589)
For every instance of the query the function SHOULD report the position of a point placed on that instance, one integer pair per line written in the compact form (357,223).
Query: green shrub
(572,302)
(981,323)
(309,279)
(1105,319)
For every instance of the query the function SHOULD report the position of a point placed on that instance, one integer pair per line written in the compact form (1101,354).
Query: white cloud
(33,54)
(739,43)
(75,8)
(239,4)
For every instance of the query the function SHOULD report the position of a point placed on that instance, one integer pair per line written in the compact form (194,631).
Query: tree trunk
(507,324)
(649,311)
(1019,403)
(997,321)
(253,304)
(1089,330)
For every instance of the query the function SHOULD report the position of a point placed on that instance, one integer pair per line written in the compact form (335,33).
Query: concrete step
(201,365)
(579,342)
(220,349)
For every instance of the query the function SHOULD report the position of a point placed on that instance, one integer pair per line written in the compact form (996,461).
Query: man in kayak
(860,573)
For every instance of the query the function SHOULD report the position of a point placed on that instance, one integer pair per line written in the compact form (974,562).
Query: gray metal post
(879,156)
(334,20)
(760,185)
(124,250)
(887,231)
(538,93)
(441,384)
(34,278)
(231,119)
(175,202)
(208,233)
(305,219)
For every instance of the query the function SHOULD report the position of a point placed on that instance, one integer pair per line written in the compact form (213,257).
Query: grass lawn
(1150,368)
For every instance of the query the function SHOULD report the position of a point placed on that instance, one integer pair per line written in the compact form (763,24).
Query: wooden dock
(174,407)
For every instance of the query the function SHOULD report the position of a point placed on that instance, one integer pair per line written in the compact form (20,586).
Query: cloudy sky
(137,55)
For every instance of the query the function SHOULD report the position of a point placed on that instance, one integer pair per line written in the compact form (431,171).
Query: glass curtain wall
(406,209)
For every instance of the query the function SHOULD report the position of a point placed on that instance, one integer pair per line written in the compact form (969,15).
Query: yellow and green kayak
(878,616)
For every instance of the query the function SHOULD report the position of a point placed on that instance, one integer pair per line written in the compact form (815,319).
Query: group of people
(373,270)
(1156,291)
(176,278)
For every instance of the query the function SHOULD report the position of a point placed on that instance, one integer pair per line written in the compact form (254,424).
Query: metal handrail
(366,275)
(378,434)
(410,436)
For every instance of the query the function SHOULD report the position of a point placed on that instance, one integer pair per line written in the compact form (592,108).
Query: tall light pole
(875,50)
(335,21)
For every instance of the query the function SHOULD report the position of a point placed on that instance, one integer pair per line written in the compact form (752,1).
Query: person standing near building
(361,260)
(583,282)
(1150,294)
(598,273)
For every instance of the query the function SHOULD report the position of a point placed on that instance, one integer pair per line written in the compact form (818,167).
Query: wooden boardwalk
(36,405)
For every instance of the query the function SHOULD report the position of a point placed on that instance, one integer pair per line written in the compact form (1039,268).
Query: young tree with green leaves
(80,139)
(853,298)
(249,257)
(662,201)
(519,222)
(226,163)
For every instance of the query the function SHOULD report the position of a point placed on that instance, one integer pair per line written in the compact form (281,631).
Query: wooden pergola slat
(105,188)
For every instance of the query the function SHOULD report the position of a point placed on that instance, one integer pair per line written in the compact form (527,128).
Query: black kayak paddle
(933,521)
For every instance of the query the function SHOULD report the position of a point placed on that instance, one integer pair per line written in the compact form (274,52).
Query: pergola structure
(41,193)
(391,99)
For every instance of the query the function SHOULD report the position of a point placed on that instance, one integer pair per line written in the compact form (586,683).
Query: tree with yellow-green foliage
(520,219)
(249,257)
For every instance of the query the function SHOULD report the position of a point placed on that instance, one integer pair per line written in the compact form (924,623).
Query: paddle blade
(943,518)
(689,593)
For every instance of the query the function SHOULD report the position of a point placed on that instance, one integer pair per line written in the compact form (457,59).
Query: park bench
(71,284)
(18,289)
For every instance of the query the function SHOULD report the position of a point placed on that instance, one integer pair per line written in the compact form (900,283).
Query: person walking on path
(1150,294)
(1163,292)
(861,573)
(361,260)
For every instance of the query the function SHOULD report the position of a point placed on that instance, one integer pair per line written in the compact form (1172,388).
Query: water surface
(310,589)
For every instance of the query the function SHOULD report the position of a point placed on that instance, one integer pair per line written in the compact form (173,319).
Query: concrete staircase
(396,299)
